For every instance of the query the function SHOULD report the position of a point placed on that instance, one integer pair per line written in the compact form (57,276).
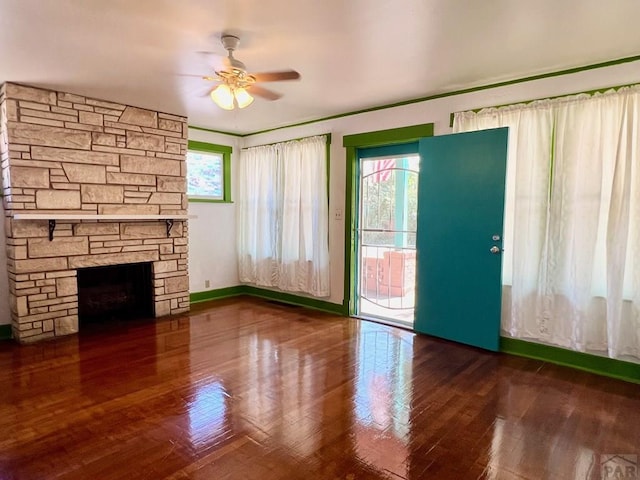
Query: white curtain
(283,216)
(572,220)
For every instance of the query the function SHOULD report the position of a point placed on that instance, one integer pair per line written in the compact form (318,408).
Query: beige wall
(212,235)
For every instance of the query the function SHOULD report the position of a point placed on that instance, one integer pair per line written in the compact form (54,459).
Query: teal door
(459,238)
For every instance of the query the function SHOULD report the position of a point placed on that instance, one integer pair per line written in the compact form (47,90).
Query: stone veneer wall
(64,153)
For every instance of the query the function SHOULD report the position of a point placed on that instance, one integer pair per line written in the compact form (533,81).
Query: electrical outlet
(207,283)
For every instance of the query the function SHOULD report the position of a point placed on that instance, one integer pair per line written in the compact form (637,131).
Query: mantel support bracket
(169,223)
(52,228)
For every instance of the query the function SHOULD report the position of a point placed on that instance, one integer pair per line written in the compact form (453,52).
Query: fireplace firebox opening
(115,292)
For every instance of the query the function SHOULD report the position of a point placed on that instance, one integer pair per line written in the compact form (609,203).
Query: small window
(208,172)
(205,177)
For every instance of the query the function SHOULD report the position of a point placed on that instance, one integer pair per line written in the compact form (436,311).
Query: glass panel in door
(387,223)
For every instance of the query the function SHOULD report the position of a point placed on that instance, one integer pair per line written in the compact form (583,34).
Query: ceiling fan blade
(207,92)
(263,92)
(194,75)
(276,76)
(208,78)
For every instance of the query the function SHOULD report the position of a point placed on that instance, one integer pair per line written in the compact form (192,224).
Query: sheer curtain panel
(283,216)
(572,248)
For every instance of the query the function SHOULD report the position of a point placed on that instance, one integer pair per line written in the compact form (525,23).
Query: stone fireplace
(88,183)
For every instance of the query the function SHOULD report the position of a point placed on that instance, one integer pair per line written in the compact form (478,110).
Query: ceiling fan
(237,85)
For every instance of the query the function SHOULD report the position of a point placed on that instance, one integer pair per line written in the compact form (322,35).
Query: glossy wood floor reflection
(245,389)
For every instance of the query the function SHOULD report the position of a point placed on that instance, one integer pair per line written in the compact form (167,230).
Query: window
(574,248)
(283,216)
(208,172)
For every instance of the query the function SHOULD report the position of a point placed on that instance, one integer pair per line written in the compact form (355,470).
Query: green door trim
(352,142)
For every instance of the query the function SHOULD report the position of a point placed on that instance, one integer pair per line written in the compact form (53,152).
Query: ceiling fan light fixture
(243,98)
(222,95)
(235,81)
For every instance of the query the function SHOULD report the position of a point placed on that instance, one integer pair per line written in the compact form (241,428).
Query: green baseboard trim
(5,332)
(217,294)
(291,299)
(607,367)
(281,297)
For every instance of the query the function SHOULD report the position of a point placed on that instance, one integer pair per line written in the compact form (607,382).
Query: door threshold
(405,325)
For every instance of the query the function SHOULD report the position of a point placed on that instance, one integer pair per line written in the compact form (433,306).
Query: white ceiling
(352,54)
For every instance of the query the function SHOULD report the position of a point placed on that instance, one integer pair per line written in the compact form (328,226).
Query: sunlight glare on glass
(205,176)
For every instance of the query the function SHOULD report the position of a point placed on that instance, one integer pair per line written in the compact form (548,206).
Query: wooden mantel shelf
(94,216)
(53,217)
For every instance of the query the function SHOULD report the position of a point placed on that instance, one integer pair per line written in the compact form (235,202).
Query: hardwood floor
(246,389)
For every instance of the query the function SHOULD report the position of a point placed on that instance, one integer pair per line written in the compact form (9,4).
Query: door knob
(495,250)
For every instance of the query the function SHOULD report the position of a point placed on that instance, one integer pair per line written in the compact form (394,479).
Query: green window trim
(226,151)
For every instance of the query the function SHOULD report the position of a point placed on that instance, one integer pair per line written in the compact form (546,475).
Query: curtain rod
(328,135)
(526,102)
